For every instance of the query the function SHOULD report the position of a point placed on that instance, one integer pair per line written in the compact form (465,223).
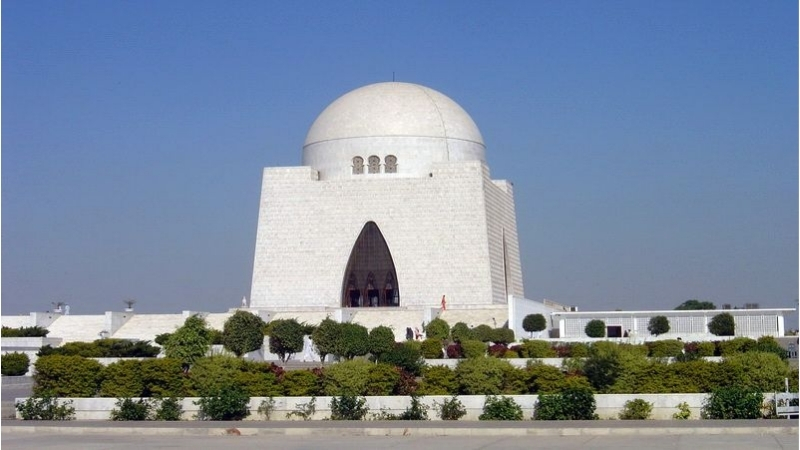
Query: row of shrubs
(34,331)
(104,348)
(230,402)
(612,369)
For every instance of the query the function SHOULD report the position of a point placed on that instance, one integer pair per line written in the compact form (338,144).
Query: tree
(595,328)
(354,341)
(534,323)
(658,325)
(722,325)
(695,304)
(286,338)
(243,332)
(381,340)
(325,337)
(189,342)
(437,329)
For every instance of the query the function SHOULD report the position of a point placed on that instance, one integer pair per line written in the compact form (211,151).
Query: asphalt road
(338,442)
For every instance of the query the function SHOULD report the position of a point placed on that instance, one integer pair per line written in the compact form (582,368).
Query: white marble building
(393,207)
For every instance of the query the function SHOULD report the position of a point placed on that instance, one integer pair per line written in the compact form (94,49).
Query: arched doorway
(371,262)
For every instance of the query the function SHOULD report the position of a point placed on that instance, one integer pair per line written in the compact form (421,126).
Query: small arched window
(391,164)
(358,165)
(374,164)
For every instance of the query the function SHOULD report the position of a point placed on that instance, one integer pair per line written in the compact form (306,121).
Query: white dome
(414,124)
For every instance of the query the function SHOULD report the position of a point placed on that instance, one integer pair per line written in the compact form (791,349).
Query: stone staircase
(77,328)
(492,316)
(145,327)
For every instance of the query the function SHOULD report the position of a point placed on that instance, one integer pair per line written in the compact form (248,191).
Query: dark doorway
(370,256)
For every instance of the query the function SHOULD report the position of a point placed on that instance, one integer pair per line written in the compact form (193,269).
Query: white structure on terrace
(393,207)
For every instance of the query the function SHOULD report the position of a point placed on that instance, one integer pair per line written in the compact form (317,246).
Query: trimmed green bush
(481,376)
(347,378)
(483,333)
(226,403)
(437,329)
(570,404)
(326,337)
(405,355)
(500,408)
(733,402)
(66,376)
(382,379)
(536,349)
(763,372)
(473,348)
(502,335)
(286,337)
(24,332)
(14,364)
(432,348)
(636,409)
(122,379)
(169,409)
(163,377)
(665,348)
(736,345)
(438,380)
(461,332)
(595,328)
(658,325)
(301,383)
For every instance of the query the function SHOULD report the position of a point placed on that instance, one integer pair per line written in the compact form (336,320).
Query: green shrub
(437,329)
(699,375)
(66,376)
(211,373)
(226,403)
(162,377)
(46,407)
(405,355)
(536,349)
(14,364)
(705,349)
(301,383)
(122,379)
(722,325)
(736,345)
(595,328)
(266,408)
(347,378)
(416,411)
(326,337)
(665,348)
(189,342)
(349,407)
(543,378)
(500,408)
(461,332)
(432,348)
(34,331)
(169,408)
(570,404)
(438,380)
(502,335)
(636,409)
(483,333)
(473,348)
(481,376)
(578,350)
(763,372)
(381,340)
(382,379)
(684,413)
(128,409)
(733,402)
(450,408)
(768,344)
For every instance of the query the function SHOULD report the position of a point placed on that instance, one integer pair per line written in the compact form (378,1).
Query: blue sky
(653,146)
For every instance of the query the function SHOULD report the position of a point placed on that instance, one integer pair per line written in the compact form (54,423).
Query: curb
(399,431)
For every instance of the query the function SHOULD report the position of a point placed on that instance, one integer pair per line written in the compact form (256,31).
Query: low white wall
(608,405)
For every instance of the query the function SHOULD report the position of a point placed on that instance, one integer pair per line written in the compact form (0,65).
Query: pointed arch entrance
(371,264)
